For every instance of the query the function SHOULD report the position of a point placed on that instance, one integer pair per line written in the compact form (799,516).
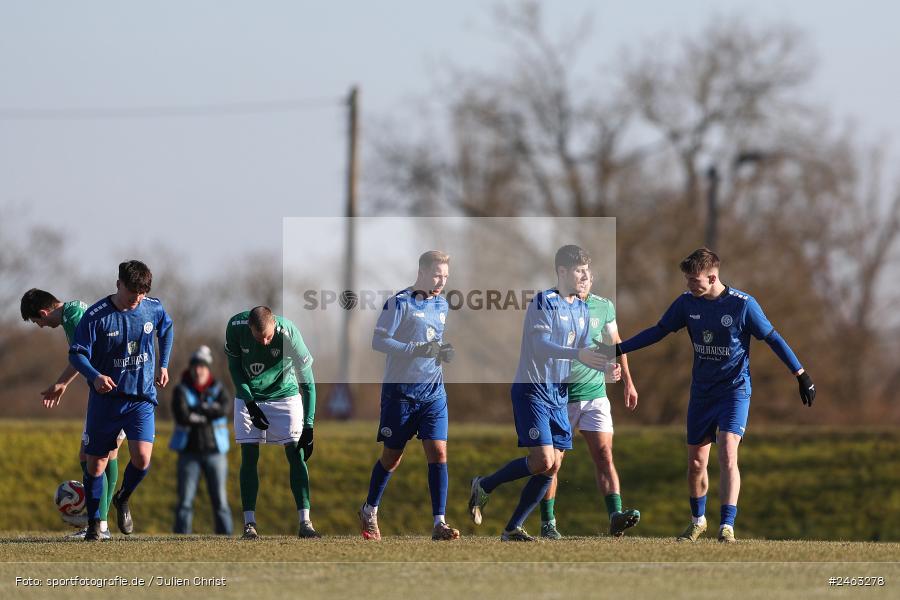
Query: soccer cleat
(517,535)
(619,521)
(123,514)
(250,532)
(92,533)
(693,531)
(443,532)
(78,535)
(307,530)
(726,535)
(369,525)
(549,531)
(105,535)
(477,500)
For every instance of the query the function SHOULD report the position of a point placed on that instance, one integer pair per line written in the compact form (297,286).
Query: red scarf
(187,380)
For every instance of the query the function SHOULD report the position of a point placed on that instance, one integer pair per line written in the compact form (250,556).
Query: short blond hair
(433,257)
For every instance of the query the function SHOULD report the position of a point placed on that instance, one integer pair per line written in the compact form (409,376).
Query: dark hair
(34,301)
(135,276)
(571,256)
(699,260)
(260,317)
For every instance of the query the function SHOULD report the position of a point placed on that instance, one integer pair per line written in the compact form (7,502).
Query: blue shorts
(403,417)
(707,415)
(107,415)
(539,423)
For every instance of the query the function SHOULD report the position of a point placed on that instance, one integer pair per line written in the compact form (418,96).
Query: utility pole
(340,402)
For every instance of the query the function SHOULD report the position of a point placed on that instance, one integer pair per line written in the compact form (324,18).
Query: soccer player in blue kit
(113,348)
(555,333)
(720,321)
(410,331)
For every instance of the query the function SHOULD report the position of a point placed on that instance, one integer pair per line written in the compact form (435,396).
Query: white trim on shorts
(285,417)
(591,415)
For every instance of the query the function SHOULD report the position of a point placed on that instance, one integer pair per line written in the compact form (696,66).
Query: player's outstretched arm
(631,394)
(53,394)
(761,328)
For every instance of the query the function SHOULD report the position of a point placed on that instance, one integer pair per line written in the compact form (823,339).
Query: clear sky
(214,186)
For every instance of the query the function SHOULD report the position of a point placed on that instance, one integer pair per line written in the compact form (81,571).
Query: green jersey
(71,315)
(586,383)
(262,373)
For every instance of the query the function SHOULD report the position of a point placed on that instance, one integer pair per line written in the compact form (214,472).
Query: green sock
(613,503)
(249,477)
(299,476)
(547,510)
(110,478)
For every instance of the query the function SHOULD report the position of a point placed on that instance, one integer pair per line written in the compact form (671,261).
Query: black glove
(607,350)
(446,353)
(427,350)
(257,416)
(807,388)
(305,443)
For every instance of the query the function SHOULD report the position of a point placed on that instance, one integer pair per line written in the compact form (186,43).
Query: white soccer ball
(71,503)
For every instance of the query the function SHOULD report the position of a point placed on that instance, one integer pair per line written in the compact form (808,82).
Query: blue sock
(377,483)
(729,512)
(133,476)
(534,490)
(93,489)
(515,469)
(698,507)
(438,481)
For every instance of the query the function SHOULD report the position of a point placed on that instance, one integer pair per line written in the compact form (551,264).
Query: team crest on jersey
(386,432)
(595,322)
(257,368)
(727,320)
(148,327)
(534,433)
(430,333)
(276,352)
(707,336)
(570,339)
(443,318)
(132,347)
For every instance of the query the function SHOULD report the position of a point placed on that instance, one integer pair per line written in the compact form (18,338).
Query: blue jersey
(406,321)
(553,332)
(720,333)
(119,344)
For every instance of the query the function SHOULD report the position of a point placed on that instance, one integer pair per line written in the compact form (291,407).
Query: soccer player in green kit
(44,310)
(275,403)
(589,413)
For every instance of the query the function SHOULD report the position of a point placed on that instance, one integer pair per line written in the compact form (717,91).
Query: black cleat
(250,532)
(123,514)
(92,533)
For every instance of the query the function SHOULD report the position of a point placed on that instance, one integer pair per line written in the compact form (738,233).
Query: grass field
(808,483)
(480,567)
(808,486)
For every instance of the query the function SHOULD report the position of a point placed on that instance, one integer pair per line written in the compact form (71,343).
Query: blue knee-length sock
(438,482)
(133,476)
(377,483)
(729,512)
(515,469)
(93,490)
(698,507)
(535,489)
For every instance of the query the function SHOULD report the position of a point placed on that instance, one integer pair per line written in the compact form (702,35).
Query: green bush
(808,483)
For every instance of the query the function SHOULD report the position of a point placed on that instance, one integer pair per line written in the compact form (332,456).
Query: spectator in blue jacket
(200,405)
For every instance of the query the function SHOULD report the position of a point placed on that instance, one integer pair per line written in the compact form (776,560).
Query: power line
(232,109)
